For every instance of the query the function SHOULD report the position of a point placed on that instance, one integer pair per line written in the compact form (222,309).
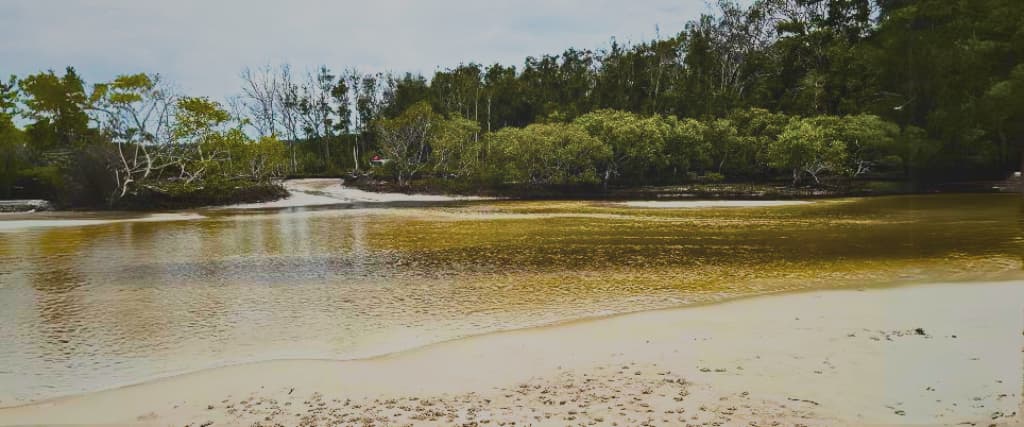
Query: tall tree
(318,111)
(289,100)
(502,95)
(369,100)
(262,98)
(405,140)
(637,143)
(724,56)
(136,112)
(12,141)
(57,104)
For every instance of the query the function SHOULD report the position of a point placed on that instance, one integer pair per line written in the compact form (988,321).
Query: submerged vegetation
(805,92)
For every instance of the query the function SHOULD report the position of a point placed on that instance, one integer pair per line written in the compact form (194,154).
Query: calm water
(94,306)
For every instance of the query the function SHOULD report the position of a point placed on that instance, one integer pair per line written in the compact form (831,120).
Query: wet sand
(302,193)
(25,221)
(330,191)
(927,354)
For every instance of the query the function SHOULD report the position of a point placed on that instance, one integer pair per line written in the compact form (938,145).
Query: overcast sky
(202,45)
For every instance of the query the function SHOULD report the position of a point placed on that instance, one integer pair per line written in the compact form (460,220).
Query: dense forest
(808,92)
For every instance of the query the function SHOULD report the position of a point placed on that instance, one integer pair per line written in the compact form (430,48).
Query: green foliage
(210,192)
(153,137)
(637,143)
(420,139)
(206,146)
(686,147)
(57,104)
(13,152)
(917,149)
(928,90)
(44,180)
(263,159)
(545,154)
(739,73)
(133,108)
(869,140)
(455,148)
(808,146)
(197,119)
(755,128)
(724,140)
(712,177)
(405,140)
(9,95)
(13,158)
(950,64)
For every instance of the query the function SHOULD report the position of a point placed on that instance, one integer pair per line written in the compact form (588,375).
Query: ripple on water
(93,307)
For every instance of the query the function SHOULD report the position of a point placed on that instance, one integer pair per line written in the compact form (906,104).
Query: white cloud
(203,44)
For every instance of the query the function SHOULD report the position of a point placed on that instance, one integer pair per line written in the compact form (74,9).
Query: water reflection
(1020,229)
(92,307)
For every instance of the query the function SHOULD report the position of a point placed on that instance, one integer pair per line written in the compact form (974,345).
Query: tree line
(796,90)
(624,148)
(122,139)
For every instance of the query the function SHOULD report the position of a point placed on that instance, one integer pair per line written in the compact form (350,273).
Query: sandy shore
(19,223)
(940,354)
(329,191)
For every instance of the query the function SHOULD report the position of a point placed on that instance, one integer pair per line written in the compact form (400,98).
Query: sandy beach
(938,354)
(330,191)
(21,222)
(302,193)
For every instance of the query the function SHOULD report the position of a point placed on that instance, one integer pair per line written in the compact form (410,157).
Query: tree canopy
(924,91)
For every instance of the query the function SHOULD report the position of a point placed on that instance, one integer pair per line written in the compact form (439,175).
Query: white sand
(329,191)
(12,225)
(818,358)
(679,204)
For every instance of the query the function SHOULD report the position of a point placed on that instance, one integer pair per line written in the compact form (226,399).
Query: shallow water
(87,307)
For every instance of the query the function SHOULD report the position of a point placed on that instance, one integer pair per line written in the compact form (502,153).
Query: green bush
(38,182)
(712,177)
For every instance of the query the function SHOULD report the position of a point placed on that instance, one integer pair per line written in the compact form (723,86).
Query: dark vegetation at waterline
(818,94)
(178,195)
(777,190)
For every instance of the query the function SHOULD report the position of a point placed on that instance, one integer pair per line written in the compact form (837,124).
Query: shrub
(712,177)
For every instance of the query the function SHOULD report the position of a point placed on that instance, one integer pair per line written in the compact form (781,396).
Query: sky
(202,45)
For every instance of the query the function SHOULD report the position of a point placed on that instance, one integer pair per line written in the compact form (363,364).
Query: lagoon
(120,298)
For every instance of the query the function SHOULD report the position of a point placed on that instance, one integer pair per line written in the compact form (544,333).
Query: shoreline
(994,278)
(23,222)
(696,191)
(576,345)
(986,278)
(313,192)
